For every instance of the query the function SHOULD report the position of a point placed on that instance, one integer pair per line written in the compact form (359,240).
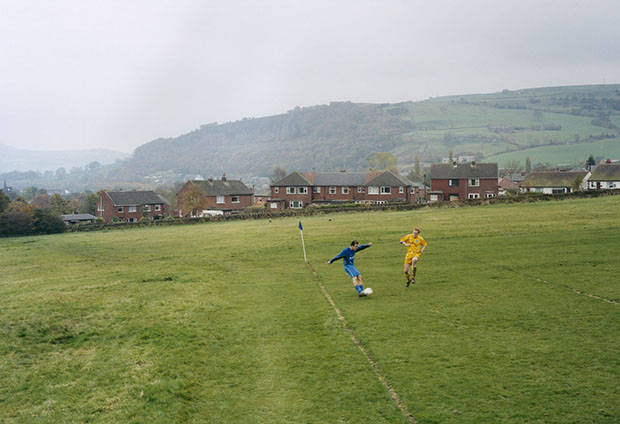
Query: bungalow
(226,196)
(463,181)
(78,218)
(606,176)
(131,206)
(299,190)
(554,182)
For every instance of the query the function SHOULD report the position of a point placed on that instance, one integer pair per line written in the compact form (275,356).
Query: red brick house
(131,206)
(227,196)
(458,181)
(299,190)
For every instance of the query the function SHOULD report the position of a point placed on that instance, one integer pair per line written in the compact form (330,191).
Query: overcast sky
(78,74)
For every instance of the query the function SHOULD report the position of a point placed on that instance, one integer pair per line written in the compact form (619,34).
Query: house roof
(340,179)
(133,198)
(388,178)
(552,178)
(78,217)
(293,179)
(222,187)
(346,179)
(444,171)
(606,172)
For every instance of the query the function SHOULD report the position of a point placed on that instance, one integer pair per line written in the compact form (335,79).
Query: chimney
(224,177)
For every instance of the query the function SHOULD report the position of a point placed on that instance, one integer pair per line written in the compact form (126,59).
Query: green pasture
(514,319)
(565,154)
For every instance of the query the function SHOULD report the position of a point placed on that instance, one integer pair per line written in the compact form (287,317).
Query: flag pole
(301,231)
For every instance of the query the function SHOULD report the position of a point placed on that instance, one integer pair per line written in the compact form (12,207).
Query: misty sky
(116,74)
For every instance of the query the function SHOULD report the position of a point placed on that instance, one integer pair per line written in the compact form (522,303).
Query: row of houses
(451,181)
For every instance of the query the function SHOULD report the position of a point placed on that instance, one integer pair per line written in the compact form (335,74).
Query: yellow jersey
(415,243)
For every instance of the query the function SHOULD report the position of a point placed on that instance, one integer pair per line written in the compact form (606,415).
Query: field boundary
(393,394)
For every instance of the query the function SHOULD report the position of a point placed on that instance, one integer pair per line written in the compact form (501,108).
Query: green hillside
(509,321)
(555,125)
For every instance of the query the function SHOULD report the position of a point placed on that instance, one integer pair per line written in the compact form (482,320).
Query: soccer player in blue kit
(348,257)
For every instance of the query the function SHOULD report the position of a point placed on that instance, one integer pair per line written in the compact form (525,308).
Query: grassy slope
(224,323)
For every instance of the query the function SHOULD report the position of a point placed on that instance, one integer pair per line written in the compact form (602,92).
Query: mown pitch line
(553,283)
(395,397)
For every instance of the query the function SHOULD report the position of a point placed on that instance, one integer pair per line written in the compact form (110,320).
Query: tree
(42,201)
(46,221)
(59,205)
(591,160)
(576,186)
(61,173)
(528,164)
(416,165)
(15,223)
(4,201)
(277,174)
(30,193)
(383,161)
(93,166)
(512,166)
(89,203)
(194,200)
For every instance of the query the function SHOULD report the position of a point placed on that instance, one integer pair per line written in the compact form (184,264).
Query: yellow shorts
(410,256)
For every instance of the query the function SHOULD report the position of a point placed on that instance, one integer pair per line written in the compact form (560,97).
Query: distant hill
(14,159)
(342,135)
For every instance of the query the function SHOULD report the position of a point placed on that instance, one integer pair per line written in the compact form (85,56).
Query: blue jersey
(348,254)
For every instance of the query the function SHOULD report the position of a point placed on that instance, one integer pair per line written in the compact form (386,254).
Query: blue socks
(359,289)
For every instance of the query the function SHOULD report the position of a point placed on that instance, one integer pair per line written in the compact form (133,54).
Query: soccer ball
(367,291)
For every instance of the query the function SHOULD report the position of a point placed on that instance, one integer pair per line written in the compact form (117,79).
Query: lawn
(514,318)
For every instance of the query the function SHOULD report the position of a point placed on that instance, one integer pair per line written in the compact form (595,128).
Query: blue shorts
(351,270)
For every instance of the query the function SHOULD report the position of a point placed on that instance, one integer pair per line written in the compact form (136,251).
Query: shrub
(47,221)
(15,223)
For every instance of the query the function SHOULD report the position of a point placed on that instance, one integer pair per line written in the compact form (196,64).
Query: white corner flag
(301,231)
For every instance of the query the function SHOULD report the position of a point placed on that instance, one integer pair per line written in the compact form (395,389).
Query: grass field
(515,318)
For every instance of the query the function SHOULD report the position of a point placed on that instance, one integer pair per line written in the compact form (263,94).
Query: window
(345,190)
(386,190)
(132,208)
(361,190)
(332,190)
(273,205)
(147,208)
(120,209)
(453,183)
(291,190)
(132,219)
(401,189)
(276,189)
(157,208)
(100,207)
(296,204)
(234,199)
(303,190)
(487,195)
(473,196)
(474,182)
(316,189)
(219,199)
(434,198)
(412,190)
(373,190)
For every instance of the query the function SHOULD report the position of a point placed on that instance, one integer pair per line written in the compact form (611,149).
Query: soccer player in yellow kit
(415,246)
